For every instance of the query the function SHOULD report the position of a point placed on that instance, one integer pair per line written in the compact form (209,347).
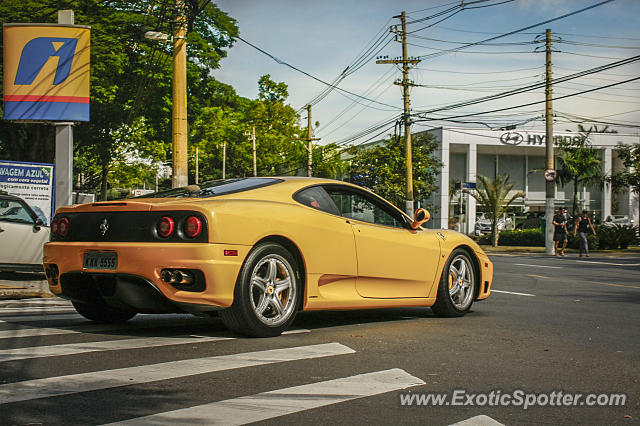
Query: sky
(322,38)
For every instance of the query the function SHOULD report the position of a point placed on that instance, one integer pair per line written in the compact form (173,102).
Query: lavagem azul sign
(33,182)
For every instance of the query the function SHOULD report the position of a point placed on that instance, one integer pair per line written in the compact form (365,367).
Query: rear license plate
(100,260)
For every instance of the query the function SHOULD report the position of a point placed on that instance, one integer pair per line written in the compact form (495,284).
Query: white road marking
(37,310)
(513,292)
(481,420)
(608,263)
(109,345)
(267,405)
(538,266)
(35,318)
(85,382)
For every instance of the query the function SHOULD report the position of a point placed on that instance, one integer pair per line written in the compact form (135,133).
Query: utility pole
(310,140)
(405,83)
(550,182)
(252,134)
(224,159)
(179,113)
(197,180)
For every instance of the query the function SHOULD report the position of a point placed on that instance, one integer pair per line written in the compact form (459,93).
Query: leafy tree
(327,162)
(579,164)
(229,118)
(127,73)
(630,177)
(381,168)
(495,197)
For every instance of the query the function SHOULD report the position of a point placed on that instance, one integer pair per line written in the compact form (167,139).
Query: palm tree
(580,164)
(494,197)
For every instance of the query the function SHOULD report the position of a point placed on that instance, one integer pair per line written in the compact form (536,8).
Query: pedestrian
(560,231)
(582,226)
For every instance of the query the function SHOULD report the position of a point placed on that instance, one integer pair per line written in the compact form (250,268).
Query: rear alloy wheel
(266,297)
(457,286)
(100,312)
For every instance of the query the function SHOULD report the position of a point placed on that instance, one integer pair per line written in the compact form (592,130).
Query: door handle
(1,230)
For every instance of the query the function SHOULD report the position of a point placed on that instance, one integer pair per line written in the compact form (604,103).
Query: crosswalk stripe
(268,405)
(36,318)
(187,320)
(140,322)
(37,310)
(84,382)
(109,345)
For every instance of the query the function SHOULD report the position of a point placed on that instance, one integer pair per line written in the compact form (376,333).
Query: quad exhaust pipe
(177,276)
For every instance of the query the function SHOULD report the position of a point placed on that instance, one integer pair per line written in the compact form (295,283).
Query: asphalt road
(551,325)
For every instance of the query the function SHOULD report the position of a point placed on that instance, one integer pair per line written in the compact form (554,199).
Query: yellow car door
(393,260)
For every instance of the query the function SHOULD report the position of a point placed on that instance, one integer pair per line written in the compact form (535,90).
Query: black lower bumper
(123,291)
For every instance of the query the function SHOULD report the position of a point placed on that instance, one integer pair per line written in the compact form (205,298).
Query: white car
(22,236)
(618,219)
(483,225)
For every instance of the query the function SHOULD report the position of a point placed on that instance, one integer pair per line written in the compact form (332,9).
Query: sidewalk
(21,285)
(631,251)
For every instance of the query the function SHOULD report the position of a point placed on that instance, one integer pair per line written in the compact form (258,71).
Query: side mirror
(38,223)
(420,216)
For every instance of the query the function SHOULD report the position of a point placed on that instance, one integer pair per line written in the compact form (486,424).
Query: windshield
(214,188)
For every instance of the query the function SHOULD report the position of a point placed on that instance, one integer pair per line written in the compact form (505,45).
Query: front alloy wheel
(266,296)
(457,286)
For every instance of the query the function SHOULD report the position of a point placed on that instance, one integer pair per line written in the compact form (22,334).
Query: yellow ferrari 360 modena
(257,251)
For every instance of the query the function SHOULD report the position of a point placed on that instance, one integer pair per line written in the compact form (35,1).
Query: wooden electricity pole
(224,160)
(179,113)
(310,140)
(252,134)
(550,183)
(405,83)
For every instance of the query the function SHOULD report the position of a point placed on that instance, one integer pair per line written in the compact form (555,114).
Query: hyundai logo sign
(511,138)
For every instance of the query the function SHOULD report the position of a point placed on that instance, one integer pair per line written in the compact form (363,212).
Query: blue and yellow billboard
(46,72)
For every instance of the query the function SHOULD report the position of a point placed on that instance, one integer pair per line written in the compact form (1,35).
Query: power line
(536,102)
(566,15)
(476,73)
(575,43)
(539,85)
(281,62)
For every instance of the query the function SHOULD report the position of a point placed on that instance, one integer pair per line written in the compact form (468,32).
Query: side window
(14,211)
(317,198)
(359,206)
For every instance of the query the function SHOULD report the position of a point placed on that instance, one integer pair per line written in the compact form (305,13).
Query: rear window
(214,188)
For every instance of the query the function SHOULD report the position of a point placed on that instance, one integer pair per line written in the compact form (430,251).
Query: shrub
(522,237)
(618,235)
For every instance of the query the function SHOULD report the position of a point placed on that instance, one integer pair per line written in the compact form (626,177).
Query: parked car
(618,219)
(257,250)
(22,236)
(483,225)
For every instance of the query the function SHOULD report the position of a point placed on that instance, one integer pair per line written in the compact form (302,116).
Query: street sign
(33,182)
(46,72)
(550,175)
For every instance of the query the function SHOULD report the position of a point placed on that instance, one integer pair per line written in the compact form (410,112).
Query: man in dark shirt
(560,231)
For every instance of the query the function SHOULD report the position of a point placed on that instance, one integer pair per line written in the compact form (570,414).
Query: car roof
(10,197)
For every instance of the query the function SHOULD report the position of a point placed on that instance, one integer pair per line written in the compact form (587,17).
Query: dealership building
(466,153)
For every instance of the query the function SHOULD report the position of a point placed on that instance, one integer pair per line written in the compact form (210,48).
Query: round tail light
(54,227)
(192,226)
(165,226)
(63,227)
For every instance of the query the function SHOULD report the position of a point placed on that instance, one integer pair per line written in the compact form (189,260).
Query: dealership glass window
(15,212)
(514,166)
(487,165)
(535,180)
(458,167)
(358,206)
